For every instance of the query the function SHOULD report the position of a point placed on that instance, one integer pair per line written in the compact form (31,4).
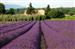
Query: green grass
(14,18)
(65,18)
(19,17)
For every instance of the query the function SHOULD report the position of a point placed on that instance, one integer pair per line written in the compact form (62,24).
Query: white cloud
(42,3)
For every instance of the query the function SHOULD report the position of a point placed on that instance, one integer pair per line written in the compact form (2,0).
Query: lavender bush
(30,40)
(57,40)
(7,37)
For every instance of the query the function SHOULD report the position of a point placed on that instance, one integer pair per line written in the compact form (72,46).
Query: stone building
(38,12)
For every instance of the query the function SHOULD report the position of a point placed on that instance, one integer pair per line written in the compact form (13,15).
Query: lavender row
(66,28)
(5,24)
(11,25)
(8,24)
(62,26)
(30,40)
(9,36)
(16,26)
(56,40)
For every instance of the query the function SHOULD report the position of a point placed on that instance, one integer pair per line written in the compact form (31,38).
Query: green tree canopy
(30,9)
(71,12)
(2,8)
(47,9)
(55,14)
(11,11)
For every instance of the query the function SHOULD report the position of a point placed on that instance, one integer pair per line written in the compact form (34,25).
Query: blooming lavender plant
(13,27)
(57,40)
(7,37)
(30,40)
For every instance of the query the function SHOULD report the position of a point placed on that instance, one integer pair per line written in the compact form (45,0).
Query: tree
(47,10)
(11,11)
(55,14)
(30,9)
(2,8)
(71,12)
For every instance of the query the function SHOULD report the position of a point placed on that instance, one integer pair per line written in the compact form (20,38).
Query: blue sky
(41,3)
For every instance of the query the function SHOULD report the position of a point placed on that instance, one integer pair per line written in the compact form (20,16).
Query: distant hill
(7,6)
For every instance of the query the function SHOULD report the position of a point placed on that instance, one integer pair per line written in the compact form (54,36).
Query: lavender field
(44,34)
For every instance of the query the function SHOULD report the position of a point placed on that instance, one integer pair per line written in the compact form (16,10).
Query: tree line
(49,12)
(4,11)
